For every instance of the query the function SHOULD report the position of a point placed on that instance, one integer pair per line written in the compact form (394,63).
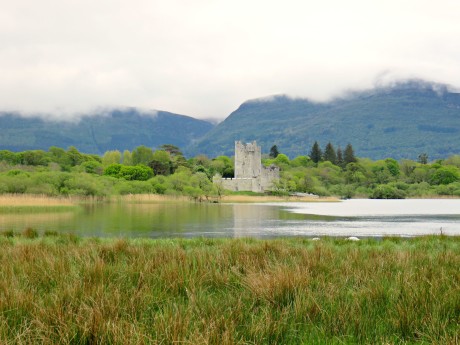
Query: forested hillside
(401,121)
(96,133)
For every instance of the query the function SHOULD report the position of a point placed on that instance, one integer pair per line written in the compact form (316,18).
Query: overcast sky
(205,57)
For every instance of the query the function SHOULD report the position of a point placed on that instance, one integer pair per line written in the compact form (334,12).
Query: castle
(250,174)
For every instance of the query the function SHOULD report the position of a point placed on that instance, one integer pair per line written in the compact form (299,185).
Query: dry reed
(18,200)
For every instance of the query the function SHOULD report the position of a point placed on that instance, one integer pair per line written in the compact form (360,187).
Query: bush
(138,172)
(16,184)
(445,175)
(45,188)
(129,172)
(113,170)
(92,167)
(83,184)
(386,191)
(448,189)
(134,187)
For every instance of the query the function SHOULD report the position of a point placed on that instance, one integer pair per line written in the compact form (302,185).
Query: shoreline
(44,201)
(12,201)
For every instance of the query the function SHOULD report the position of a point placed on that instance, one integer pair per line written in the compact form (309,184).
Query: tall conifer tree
(329,153)
(349,155)
(339,157)
(274,152)
(315,153)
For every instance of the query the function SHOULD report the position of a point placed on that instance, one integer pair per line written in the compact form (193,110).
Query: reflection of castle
(250,174)
(253,220)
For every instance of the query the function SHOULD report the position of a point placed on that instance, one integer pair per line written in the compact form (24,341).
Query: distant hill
(401,121)
(96,133)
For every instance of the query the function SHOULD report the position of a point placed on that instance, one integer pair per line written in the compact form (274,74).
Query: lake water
(365,218)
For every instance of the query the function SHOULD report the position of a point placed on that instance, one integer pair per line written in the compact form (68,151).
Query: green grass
(63,289)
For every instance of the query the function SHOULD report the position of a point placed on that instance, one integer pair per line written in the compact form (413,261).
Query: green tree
(329,154)
(75,157)
(137,172)
(127,158)
(355,173)
(9,157)
(387,191)
(92,167)
(282,159)
(173,150)
(111,157)
(453,160)
(60,156)
(300,161)
(274,152)
(423,158)
(340,161)
(223,165)
(176,156)
(35,157)
(315,153)
(113,170)
(349,155)
(161,162)
(393,167)
(445,175)
(142,155)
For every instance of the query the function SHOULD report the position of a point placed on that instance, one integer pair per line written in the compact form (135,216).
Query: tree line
(340,173)
(165,170)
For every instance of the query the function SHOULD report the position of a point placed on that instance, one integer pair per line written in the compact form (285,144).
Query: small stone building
(250,174)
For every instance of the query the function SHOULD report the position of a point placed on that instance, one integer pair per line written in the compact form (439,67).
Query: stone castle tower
(250,174)
(248,160)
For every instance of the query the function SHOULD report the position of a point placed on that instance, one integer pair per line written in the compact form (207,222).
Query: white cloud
(205,57)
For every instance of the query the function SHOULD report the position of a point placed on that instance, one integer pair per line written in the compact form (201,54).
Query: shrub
(138,172)
(92,167)
(386,191)
(134,187)
(445,175)
(83,184)
(113,170)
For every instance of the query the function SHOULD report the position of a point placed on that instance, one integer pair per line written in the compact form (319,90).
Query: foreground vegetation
(165,171)
(62,289)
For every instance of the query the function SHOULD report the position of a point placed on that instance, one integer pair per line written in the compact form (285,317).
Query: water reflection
(182,219)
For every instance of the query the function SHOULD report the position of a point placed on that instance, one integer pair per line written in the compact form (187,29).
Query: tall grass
(14,200)
(63,289)
(30,203)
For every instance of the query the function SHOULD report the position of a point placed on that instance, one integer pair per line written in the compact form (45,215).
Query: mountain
(96,133)
(399,121)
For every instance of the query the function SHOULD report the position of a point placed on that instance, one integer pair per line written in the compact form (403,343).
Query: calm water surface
(346,218)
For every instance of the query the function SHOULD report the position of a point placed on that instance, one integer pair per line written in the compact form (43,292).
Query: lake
(360,217)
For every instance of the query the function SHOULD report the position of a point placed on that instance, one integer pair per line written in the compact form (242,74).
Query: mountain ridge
(400,121)
(115,129)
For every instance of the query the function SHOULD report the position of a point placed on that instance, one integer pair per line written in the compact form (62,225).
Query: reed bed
(34,200)
(30,203)
(148,198)
(60,289)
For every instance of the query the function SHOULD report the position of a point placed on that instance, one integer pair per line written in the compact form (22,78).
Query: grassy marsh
(64,289)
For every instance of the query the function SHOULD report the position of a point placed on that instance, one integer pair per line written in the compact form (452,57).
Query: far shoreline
(45,201)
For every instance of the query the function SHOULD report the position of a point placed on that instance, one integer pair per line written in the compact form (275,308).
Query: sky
(203,58)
